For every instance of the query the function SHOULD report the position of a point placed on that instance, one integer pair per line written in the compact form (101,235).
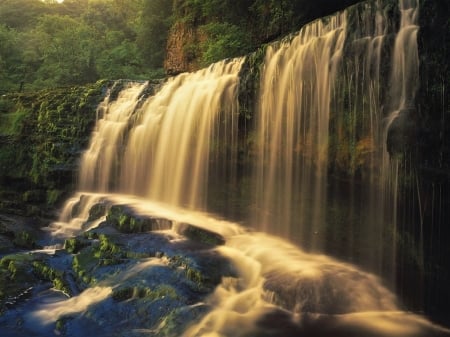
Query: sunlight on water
(170,147)
(293,122)
(315,292)
(97,171)
(75,305)
(155,155)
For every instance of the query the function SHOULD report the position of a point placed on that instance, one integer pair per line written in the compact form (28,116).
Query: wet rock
(126,220)
(97,211)
(5,244)
(74,245)
(401,132)
(200,234)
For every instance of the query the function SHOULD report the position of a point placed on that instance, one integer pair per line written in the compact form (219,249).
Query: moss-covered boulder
(200,235)
(126,220)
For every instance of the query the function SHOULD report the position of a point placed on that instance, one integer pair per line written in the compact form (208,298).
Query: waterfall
(98,162)
(292,125)
(168,147)
(327,99)
(322,178)
(179,133)
(161,147)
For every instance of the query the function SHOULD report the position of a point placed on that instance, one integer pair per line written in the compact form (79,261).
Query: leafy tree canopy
(46,43)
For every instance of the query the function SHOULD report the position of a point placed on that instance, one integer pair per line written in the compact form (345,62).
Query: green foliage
(10,58)
(21,14)
(224,40)
(67,48)
(47,44)
(10,123)
(155,20)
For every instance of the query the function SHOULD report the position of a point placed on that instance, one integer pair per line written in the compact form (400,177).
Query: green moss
(96,211)
(10,123)
(100,254)
(45,272)
(24,239)
(53,196)
(60,326)
(16,278)
(203,235)
(83,264)
(74,245)
(126,221)
(191,272)
(160,292)
(41,136)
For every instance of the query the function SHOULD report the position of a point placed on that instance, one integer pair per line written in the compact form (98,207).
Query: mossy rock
(74,245)
(24,239)
(126,220)
(97,211)
(102,252)
(201,235)
(45,272)
(162,291)
(16,279)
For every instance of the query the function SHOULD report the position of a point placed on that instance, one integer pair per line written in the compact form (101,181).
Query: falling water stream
(293,121)
(158,155)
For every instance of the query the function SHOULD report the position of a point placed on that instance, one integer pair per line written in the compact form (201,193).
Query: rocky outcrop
(183,48)
(41,144)
(157,280)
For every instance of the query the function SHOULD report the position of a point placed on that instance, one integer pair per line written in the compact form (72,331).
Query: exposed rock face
(183,48)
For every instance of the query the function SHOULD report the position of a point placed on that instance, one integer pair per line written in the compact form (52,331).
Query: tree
(21,14)
(67,51)
(155,22)
(224,40)
(10,56)
(120,58)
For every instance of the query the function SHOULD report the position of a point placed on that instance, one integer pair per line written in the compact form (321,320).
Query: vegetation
(48,44)
(41,136)
(44,43)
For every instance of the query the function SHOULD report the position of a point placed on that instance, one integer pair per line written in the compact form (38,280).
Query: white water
(164,149)
(293,121)
(170,147)
(307,88)
(312,293)
(322,296)
(161,149)
(98,163)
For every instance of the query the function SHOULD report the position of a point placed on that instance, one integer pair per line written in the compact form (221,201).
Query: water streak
(170,149)
(98,164)
(292,125)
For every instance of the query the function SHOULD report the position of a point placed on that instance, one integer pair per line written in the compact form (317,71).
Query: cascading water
(177,134)
(324,112)
(293,121)
(170,147)
(163,148)
(97,169)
